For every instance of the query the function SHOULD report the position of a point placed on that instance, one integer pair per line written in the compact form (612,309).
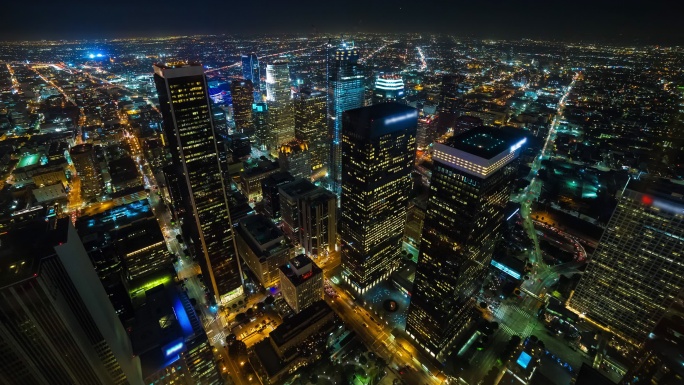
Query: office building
(57,325)
(250,179)
(301,282)
(200,192)
(271,195)
(637,270)
(242,93)
(378,149)
(252,72)
(263,247)
(169,339)
(345,92)
(472,179)
(88,170)
(262,135)
(280,107)
(310,125)
(239,146)
(277,356)
(389,88)
(295,158)
(309,216)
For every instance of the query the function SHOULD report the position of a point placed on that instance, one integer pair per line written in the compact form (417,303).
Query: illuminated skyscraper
(389,88)
(637,270)
(310,125)
(242,94)
(378,149)
(57,325)
(200,192)
(260,119)
(280,108)
(345,92)
(251,72)
(88,169)
(471,182)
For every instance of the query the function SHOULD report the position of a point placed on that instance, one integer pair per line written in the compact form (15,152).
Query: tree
(241,317)
(250,312)
(363,360)
(237,348)
(230,338)
(269,300)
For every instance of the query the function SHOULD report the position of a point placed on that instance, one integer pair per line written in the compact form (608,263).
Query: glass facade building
(252,72)
(241,92)
(345,92)
(200,192)
(378,150)
(310,125)
(280,109)
(637,270)
(471,182)
(389,88)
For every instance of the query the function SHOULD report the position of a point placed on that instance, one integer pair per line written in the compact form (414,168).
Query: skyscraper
(57,325)
(201,194)
(389,88)
(279,98)
(637,270)
(345,92)
(243,97)
(471,182)
(260,118)
(310,125)
(83,156)
(252,72)
(378,149)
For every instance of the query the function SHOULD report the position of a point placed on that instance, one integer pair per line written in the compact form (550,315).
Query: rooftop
(299,269)
(298,322)
(485,142)
(297,187)
(259,232)
(379,119)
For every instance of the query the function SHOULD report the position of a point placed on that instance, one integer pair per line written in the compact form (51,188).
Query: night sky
(616,21)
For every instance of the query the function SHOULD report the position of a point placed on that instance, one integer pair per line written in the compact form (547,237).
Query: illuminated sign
(401,118)
(663,205)
(307,274)
(506,269)
(173,349)
(514,212)
(518,145)
(524,360)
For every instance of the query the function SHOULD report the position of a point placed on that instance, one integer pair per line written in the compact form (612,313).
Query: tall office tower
(345,92)
(252,72)
(170,341)
(260,119)
(88,170)
(200,192)
(295,158)
(280,109)
(243,97)
(310,125)
(57,325)
(389,88)
(637,270)
(301,282)
(449,92)
(271,194)
(378,149)
(472,179)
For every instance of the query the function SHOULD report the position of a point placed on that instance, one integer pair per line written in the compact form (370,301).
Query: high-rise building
(301,282)
(271,195)
(200,192)
(345,92)
(170,341)
(471,182)
(252,72)
(295,158)
(637,270)
(280,107)
(309,216)
(263,247)
(260,118)
(243,98)
(88,170)
(310,125)
(389,88)
(57,325)
(378,149)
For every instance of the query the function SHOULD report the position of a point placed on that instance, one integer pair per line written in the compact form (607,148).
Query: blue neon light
(514,212)
(400,118)
(182,316)
(505,269)
(524,360)
(174,349)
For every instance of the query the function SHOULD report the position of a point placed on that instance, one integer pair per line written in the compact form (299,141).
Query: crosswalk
(511,315)
(218,338)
